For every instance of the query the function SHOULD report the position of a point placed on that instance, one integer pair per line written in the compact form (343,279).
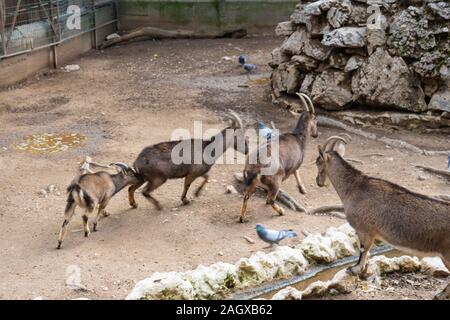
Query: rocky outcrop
(384,80)
(376,53)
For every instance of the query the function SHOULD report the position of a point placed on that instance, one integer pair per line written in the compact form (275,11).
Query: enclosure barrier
(29,25)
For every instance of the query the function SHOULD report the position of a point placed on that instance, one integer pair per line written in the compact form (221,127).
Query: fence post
(13,24)
(55,27)
(94,17)
(2,25)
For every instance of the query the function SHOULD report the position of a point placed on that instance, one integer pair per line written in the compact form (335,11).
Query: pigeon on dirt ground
(273,236)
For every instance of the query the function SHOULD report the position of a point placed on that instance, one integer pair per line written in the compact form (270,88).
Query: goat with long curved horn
(312,110)
(331,142)
(381,210)
(123,167)
(300,95)
(291,150)
(155,164)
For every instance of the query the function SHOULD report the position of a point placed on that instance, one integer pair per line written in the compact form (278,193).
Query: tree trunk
(156,33)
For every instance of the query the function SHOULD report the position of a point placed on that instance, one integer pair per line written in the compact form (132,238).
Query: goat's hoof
(59,245)
(302,190)
(94,228)
(186,201)
(242,220)
(197,193)
(86,234)
(133,205)
(106,214)
(354,271)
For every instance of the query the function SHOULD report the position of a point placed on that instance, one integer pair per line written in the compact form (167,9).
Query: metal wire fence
(27,25)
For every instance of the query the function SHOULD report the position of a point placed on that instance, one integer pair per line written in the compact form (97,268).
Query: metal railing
(27,25)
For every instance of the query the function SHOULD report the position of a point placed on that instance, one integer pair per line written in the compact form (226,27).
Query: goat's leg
(274,187)
(204,182)
(86,225)
(365,243)
(445,294)
(131,190)
(152,185)
(101,211)
(187,183)
(249,190)
(68,214)
(301,186)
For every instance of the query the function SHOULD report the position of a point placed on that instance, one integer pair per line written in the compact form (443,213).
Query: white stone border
(343,282)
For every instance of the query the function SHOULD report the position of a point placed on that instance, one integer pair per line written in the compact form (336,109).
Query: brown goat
(290,157)
(155,164)
(94,189)
(381,210)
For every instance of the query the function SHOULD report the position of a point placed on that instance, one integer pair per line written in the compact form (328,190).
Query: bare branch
(326,121)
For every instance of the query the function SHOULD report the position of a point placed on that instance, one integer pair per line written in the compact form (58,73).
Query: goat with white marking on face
(91,190)
(381,210)
(291,153)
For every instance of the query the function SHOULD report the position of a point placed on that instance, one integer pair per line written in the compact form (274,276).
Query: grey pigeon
(249,67)
(273,236)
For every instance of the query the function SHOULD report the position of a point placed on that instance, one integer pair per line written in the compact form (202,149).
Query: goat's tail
(80,197)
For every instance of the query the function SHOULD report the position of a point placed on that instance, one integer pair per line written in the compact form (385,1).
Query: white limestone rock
(318,7)
(354,63)
(288,293)
(209,282)
(290,261)
(316,289)
(250,272)
(396,264)
(285,28)
(343,282)
(346,37)
(332,90)
(318,248)
(386,80)
(434,267)
(440,100)
(342,244)
(163,286)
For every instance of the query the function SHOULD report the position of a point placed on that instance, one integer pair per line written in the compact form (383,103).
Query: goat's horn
(332,138)
(120,164)
(236,119)
(311,104)
(303,102)
(89,162)
(349,137)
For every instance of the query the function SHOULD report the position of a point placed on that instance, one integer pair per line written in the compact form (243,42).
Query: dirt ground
(122,100)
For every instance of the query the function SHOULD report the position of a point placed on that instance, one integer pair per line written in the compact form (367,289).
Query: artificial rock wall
(378,53)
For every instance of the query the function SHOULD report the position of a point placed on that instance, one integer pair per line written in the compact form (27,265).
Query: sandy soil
(124,99)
